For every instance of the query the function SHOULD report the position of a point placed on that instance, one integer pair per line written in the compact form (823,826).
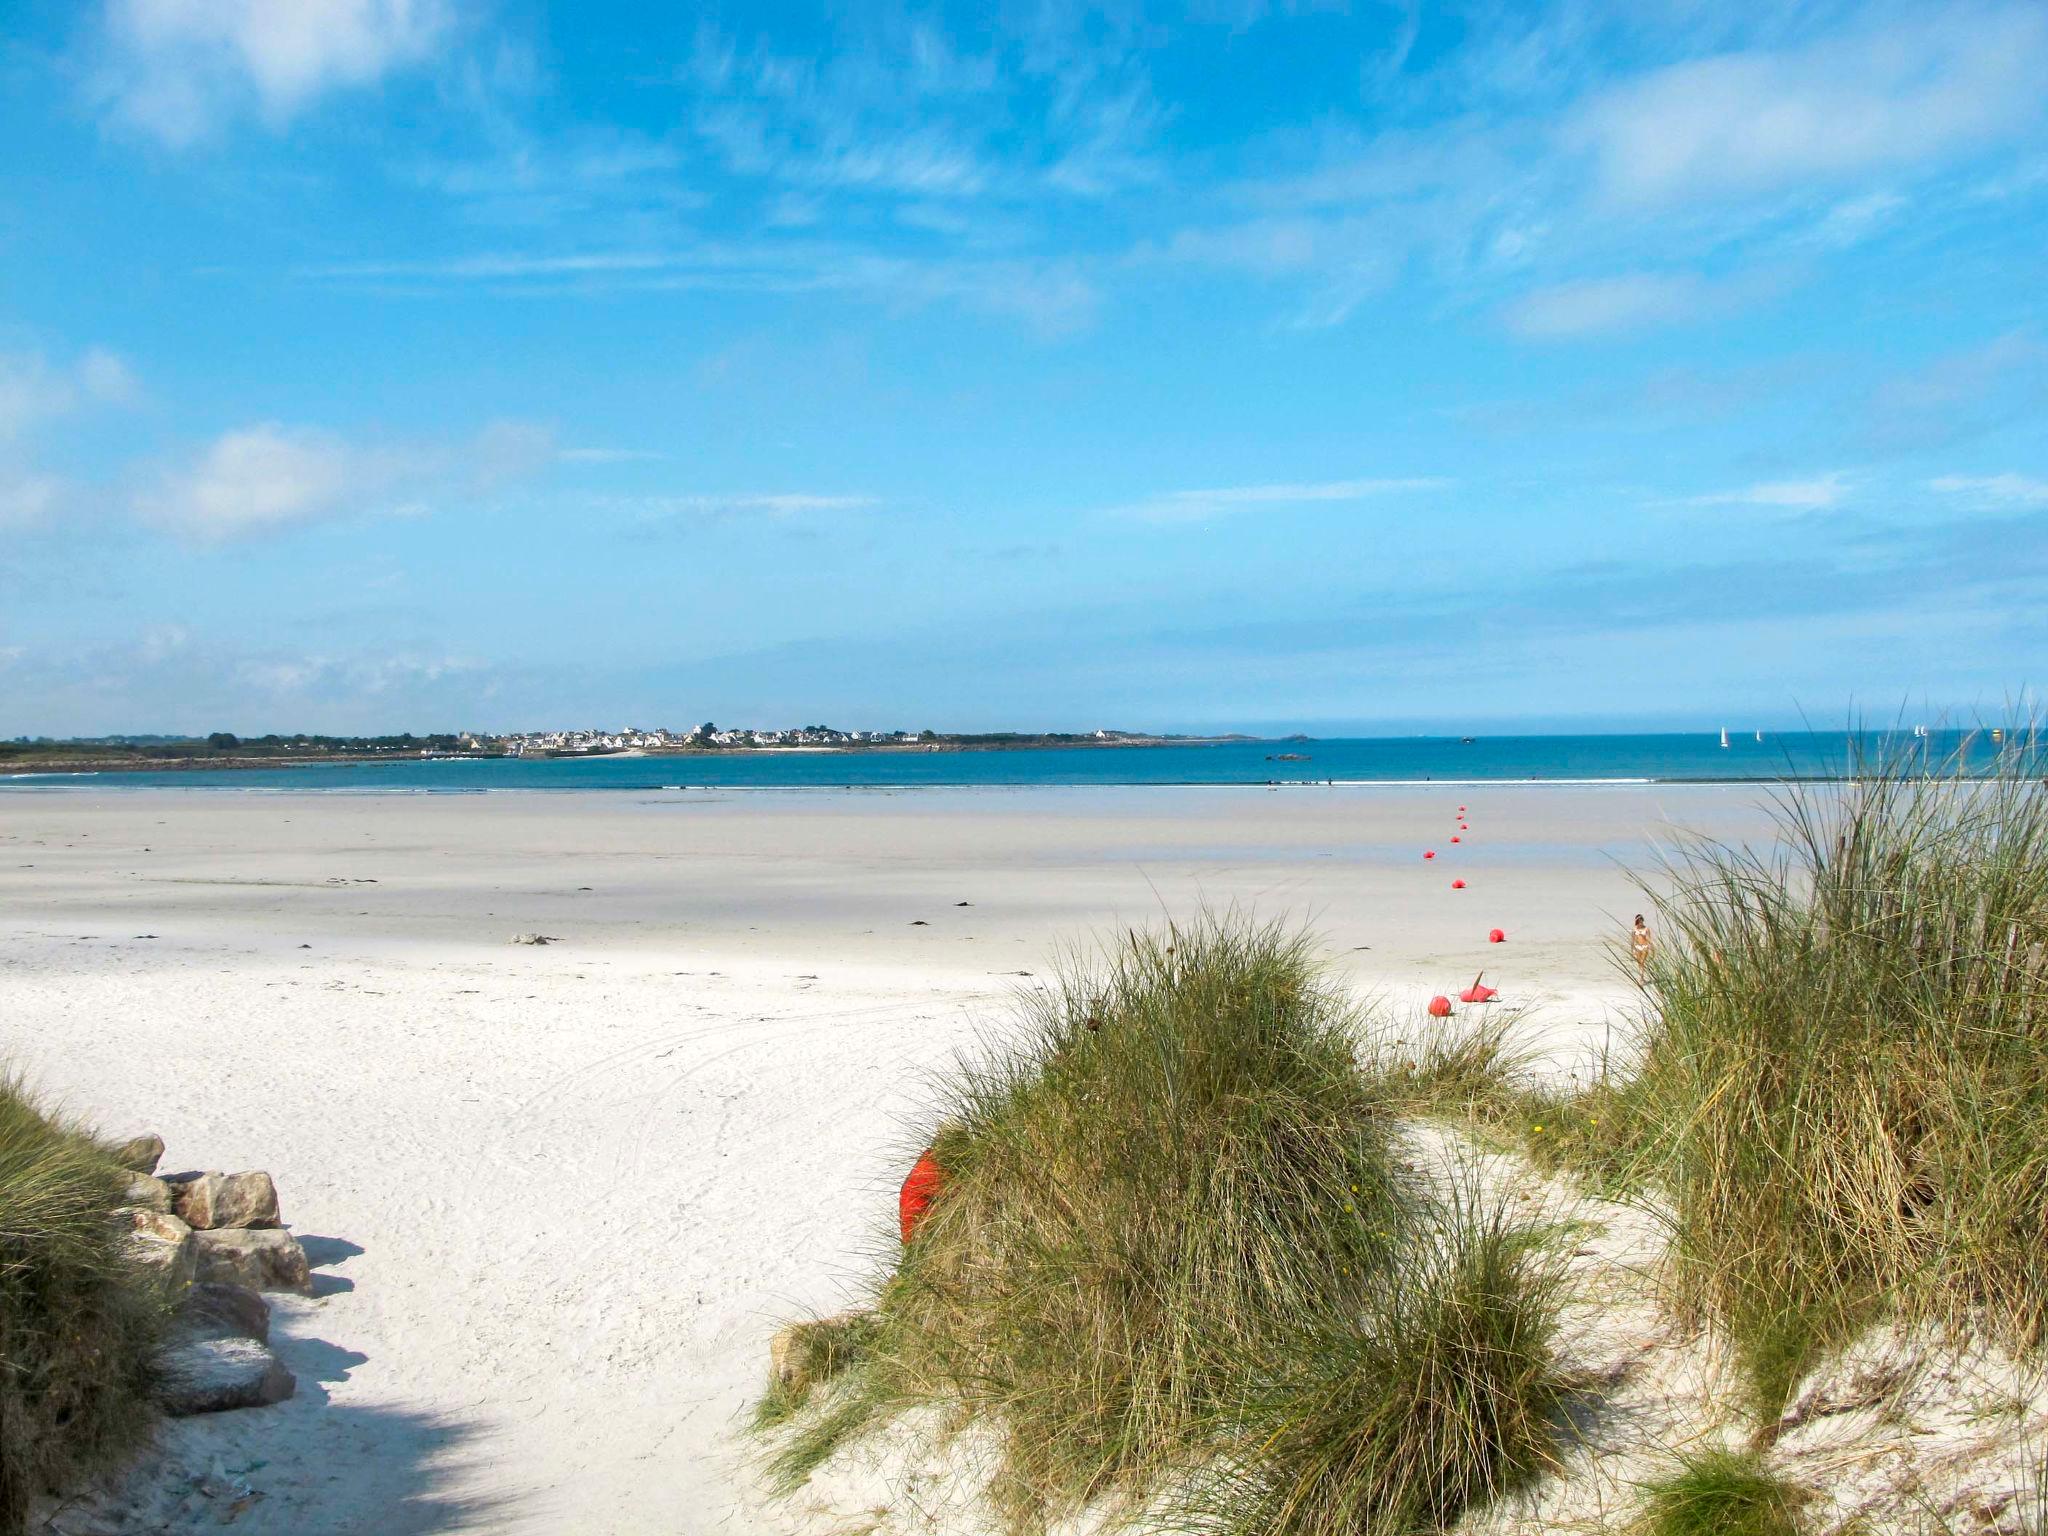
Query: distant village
(710,737)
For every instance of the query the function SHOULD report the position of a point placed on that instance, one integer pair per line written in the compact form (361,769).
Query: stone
(211,1375)
(531,938)
(209,1200)
(214,1310)
(141,1154)
(164,1247)
(261,1258)
(149,1193)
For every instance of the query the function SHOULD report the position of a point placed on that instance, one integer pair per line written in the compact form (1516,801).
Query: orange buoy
(920,1189)
(1457,885)
(1439,1007)
(1495,936)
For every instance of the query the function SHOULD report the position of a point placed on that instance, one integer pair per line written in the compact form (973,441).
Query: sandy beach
(558,1197)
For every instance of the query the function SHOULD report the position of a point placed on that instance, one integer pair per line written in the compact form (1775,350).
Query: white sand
(560,1196)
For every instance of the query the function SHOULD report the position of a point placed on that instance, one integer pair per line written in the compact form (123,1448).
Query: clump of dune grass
(1170,1203)
(1441,1394)
(1720,1493)
(78,1324)
(1844,1080)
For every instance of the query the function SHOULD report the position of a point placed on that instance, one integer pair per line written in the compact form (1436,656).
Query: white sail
(1724,735)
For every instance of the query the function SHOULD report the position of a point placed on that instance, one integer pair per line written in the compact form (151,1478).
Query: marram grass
(1176,1260)
(1844,1084)
(78,1325)
(1720,1493)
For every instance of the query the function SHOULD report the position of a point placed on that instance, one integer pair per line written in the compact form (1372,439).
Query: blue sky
(407,364)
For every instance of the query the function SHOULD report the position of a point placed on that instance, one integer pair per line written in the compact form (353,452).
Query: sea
(1696,757)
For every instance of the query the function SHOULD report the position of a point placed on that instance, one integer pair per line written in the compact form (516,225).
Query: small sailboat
(1759,735)
(1724,736)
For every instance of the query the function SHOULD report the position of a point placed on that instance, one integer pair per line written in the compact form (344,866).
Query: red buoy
(1429,853)
(1439,1007)
(1457,885)
(1495,936)
(919,1191)
(1461,810)
(1478,994)
(1454,839)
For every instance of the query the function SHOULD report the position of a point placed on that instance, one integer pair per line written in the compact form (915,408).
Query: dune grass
(78,1324)
(1843,1086)
(1720,1493)
(1175,1251)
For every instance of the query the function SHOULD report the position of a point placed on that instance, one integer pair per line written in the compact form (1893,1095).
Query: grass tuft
(1720,1493)
(1844,1086)
(1168,1207)
(78,1324)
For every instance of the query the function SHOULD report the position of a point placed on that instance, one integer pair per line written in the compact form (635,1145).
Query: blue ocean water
(1391,760)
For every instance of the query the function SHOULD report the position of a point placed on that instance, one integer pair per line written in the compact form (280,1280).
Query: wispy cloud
(266,478)
(1635,301)
(1817,494)
(1894,95)
(2006,490)
(1054,298)
(1206,505)
(655,515)
(176,69)
(36,394)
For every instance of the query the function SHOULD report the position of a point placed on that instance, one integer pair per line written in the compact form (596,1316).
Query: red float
(1495,936)
(1429,853)
(1439,1007)
(1478,994)
(1457,885)
(926,1179)
(1454,839)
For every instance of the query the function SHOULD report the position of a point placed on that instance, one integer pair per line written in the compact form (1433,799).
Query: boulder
(213,1310)
(209,1375)
(261,1258)
(140,1154)
(208,1200)
(163,1246)
(149,1193)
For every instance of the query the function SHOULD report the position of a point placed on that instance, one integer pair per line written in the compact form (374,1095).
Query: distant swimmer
(1639,945)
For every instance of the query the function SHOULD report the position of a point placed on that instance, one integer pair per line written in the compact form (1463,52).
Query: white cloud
(264,478)
(34,394)
(1892,96)
(176,68)
(32,391)
(27,498)
(2007,490)
(1632,302)
(1204,505)
(1813,495)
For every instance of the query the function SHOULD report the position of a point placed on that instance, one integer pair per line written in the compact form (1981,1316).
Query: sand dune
(563,1193)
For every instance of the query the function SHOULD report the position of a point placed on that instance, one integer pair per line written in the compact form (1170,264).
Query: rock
(531,938)
(261,1258)
(163,1245)
(149,1193)
(141,1154)
(213,1310)
(209,1375)
(209,1200)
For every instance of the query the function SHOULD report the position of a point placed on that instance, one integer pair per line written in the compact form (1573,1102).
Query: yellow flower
(1539,1130)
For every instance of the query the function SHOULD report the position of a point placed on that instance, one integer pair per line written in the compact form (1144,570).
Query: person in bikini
(1639,945)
